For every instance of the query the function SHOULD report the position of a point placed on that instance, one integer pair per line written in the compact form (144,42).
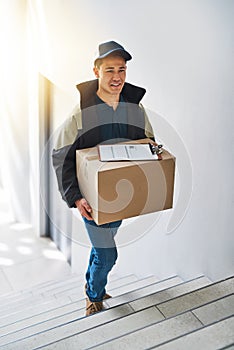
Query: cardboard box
(120,190)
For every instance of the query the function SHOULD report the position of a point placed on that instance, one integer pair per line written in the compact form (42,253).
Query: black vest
(91,133)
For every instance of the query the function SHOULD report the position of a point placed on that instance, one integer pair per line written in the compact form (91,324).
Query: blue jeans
(103,256)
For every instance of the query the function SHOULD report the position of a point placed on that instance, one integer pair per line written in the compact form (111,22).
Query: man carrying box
(109,112)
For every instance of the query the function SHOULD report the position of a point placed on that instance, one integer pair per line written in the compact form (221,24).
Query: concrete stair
(142,314)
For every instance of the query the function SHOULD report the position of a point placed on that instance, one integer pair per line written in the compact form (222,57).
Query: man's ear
(96,72)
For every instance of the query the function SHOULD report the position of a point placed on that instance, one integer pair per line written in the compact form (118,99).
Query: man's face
(111,75)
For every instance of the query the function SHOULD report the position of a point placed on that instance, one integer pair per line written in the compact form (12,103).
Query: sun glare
(6,262)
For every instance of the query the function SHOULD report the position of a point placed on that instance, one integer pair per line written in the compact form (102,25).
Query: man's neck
(110,100)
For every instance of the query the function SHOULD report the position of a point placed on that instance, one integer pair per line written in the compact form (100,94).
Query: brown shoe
(106,296)
(93,307)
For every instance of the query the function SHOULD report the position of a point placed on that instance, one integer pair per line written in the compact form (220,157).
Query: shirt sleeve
(149,133)
(64,159)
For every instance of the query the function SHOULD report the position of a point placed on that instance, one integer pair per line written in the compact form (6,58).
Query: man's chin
(116,90)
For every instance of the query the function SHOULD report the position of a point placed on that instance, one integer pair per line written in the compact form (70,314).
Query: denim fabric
(103,256)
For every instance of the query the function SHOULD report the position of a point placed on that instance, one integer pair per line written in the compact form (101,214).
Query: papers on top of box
(119,152)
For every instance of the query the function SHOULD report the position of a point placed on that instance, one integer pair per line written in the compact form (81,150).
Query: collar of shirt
(103,105)
(113,122)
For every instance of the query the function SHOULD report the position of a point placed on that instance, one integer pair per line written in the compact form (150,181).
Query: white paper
(120,152)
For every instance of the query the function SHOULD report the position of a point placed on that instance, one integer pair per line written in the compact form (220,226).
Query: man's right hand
(84,208)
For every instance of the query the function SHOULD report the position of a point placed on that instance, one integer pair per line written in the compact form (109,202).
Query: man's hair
(98,62)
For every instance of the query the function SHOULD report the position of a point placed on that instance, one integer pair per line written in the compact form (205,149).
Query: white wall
(14,126)
(183,54)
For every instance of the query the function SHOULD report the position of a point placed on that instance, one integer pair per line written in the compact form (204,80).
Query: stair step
(123,281)
(7,299)
(30,290)
(73,285)
(35,303)
(20,304)
(52,330)
(67,313)
(152,310)
(223,287)
(131,340)
(196,298)
(125,288)
(215,311)
(56,316)
(27,302)
(104,334)
(54,334)
(144,291)
(172,292)
(216,336)
(59,285)
(59,290)
(17,297)
(133,286)
(50,307)
(75,292)
(137,331)
(33,310)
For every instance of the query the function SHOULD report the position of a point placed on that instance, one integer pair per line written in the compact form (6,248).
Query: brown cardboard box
(120,190)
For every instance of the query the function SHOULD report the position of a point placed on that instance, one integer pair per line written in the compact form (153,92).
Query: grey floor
(25,259)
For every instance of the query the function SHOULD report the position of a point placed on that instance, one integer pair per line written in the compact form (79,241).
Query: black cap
(110,47)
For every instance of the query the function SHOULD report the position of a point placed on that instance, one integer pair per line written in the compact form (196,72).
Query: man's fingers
(84,208)
(87,207)
(86,213)
(87,216)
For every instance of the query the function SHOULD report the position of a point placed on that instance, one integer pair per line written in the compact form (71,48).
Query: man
(109,111)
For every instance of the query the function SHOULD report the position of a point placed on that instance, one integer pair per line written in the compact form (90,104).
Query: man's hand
(84,208)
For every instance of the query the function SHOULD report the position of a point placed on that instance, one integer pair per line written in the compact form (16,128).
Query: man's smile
(116,84)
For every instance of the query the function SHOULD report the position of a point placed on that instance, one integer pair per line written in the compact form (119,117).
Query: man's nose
(116,76)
